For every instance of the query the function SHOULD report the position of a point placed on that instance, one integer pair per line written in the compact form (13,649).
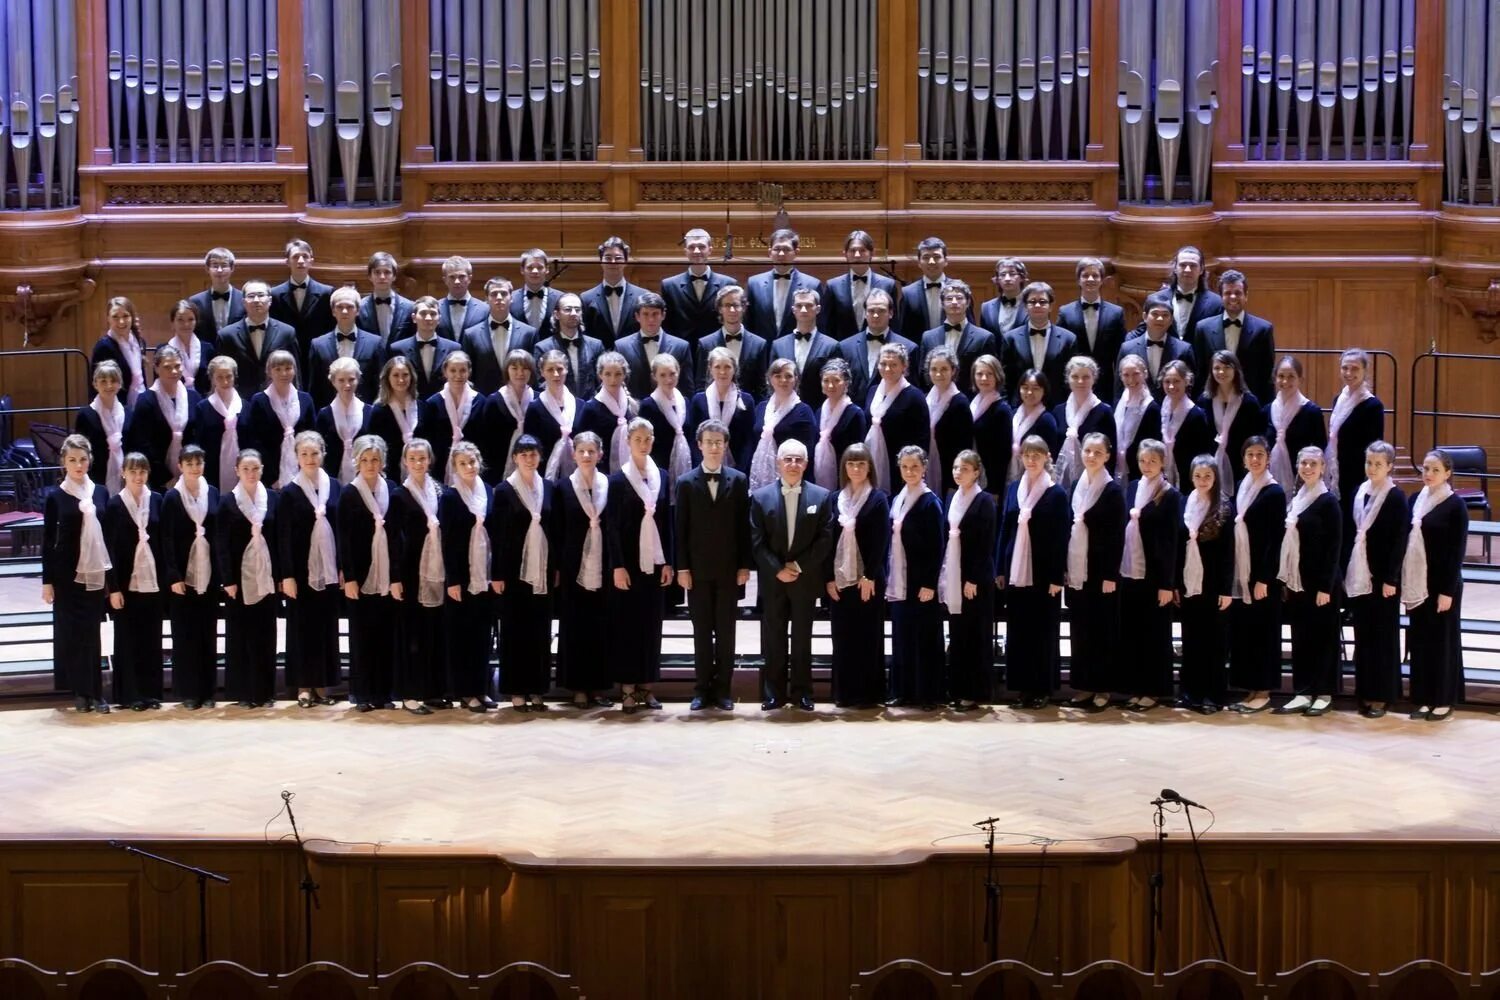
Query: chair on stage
(424,981)
(222,981)
(1323,981)
(1210,979)
(526,981)
(20,980)
(1471,460)
(1108,980)
(1006,979)
(904,979)
(1423,980)
(113,980)
(322,981)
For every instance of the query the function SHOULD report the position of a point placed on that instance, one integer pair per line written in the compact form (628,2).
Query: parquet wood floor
(675,787)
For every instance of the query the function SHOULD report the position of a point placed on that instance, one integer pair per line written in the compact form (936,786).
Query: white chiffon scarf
(593,500)
(176,416)
(1194,512)
(1087,493)
(1357,579)
(534,546)
(287,411)
(1414,565)
(1129,410)
(895,583)
(937,405)
(229,444)
(143,562)
(647,486)
(1133,559)
(880,456)
(255,566)
(1070,457)
(93,555)
(1343,406)
(1290,570)
(1249,489)
(560,463)
(322,555)
(378,502)
(825,462)
(1224,414)
(430,571)
(1172,417)
(951,581)
(478,502)
(618,445)
(192,356)
(517,407)
(1282,412)
(763,461)
(199,569)
(131,348)
(848,564)
(113,422)
(1029,492)
(1021,422)
(347,422)
(674,410)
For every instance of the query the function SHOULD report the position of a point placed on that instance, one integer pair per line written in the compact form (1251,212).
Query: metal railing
(1436,359)
(1386,387)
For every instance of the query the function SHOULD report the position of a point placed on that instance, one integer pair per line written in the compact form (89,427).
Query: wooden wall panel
(58,917)
(808,923)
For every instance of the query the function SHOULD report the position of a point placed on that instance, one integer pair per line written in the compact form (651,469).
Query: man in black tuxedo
(582,351)
(641,349)
(690,296)
(426,351)
(301,302)
(536,301)
(770,293)
(844,296)
(807,347)
(1192,302)
(713,561)
(459,310)
(921,305)
(221,303)
(791,529)
(489,341)
(862,350)
(752,352)
(345,340)
(252,340)
(1252,339)
(1039,344)
(609,307)
(1005,312)
(1156,345)
(962,337)
(385,312)
(1098,326)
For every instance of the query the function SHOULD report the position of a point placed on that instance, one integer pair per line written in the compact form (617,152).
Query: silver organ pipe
(1169,78)
(39,102)
(318,83)
(1470,97)
(1134,100)
(1202,94)
(1170,65)
(352,85)
(237,73)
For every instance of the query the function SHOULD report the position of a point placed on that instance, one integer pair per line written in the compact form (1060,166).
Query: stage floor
(675,787)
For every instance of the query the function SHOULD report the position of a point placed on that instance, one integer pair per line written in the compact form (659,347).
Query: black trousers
(711,605)
(784,678)
(372,648)
(919,670)
(137,673)
(1315,643)
(1377,646)
(195,644)
(250,633)
(77,656)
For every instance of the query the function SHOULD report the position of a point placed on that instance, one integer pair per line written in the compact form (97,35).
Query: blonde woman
(77,575)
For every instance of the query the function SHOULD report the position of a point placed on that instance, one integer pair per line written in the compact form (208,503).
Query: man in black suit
(713,561)
(426,351)
(582,351)
(751,351)
(641,349)
(791,529)
(301,302)
(1192,302)
(1005,312)
(1039,344)
(963,338)
(459,310)
(844,296)
(385,312)
(609,307)
(489,341)
(252,340)
(1098,326)
(1156,345)
(862,350)
(921,306)
(807,347)
(345,340)
(1252,339)
(770,293)
(221,303)
(690,296)
(536,301)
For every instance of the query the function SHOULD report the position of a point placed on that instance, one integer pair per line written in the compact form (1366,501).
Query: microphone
(988,822)
(1170,796)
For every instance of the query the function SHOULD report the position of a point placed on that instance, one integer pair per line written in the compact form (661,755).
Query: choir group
(432,469)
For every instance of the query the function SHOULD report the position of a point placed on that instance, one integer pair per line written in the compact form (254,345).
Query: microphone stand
(306,885)
(1208,892)
(1157,881)
(203,875)
(991,891)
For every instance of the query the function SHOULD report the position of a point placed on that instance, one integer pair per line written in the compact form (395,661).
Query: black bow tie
(299,288)
(1234,322)
(803,336)
(347,336)
(861,278)
(879,338)
(697,277)
(953,327)
(1007,302)
(255,326)
(1184,296)
(456,302)
(650,338)
(219,296)
(1089,305)
(732,336)
(933,284)
(713,477)
(383,301)
(423,344)
(536,295)
(495,325)
(612,290)
(784,277)
(1038,333)
(1156,344)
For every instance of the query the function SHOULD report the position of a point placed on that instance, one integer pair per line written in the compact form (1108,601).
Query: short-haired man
(791,531)
(862,350)
(425,349)
(385,312)
(965,339)
(1097,325)
(751,351)
(301,301)
(1192,301)
(690,296)
(640,349)
(460,310)
(1156,344)
(1039,344)
(713,560)
(582,350)
(1251,338)
(488,342)
(1004,312)
(806,346)
(771,292)
(345,340)
(844,298)
(921,305)
(609,307)
(220,304)
(252,340)
(536,300)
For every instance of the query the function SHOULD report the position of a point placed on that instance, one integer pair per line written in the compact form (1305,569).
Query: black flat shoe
(102,707)
(523,708)
(770,705)
(364,706)
(805,703)
(1420,714)
(540,706)
(82,704)
(1371,713)
(420,710)
(478,709)
(138,706)
(192,705)
(1440,715)
(1206,707)
(895,703)
(1037,703)
(651,701)
(304,701)
(1240,708)
(210,703)
(603,702)
(697,705)
(438,704)
(153,703)
(725,704)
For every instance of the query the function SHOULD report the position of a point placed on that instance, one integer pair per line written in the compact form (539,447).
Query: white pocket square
(812,508)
